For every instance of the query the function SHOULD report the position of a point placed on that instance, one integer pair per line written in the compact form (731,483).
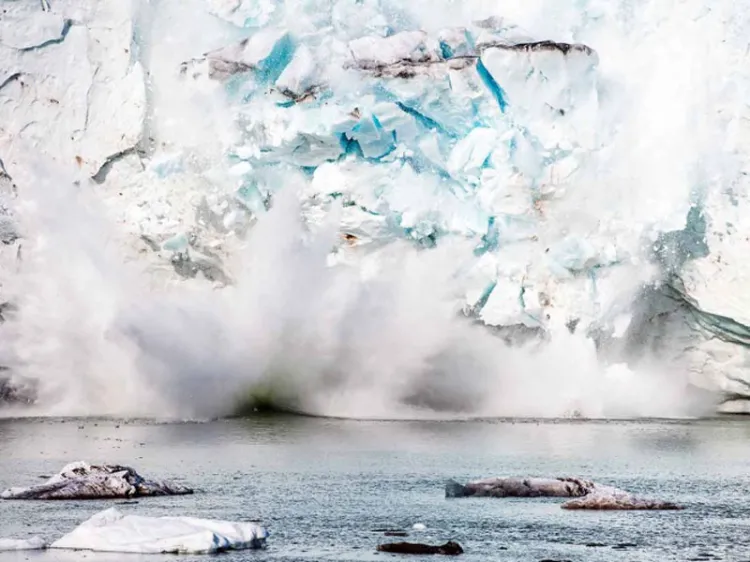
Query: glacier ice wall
(361,208)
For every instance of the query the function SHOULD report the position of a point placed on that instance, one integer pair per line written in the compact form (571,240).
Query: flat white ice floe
(80,480)
(34,543)
(111,531)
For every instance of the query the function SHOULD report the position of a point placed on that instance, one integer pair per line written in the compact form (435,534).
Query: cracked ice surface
(477,132)
(71,84)
(591,156)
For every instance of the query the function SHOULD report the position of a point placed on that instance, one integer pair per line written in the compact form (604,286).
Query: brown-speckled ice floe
(585,493)
(34,543)
(80,480)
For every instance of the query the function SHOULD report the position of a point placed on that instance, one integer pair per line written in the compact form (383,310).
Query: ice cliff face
(590,159)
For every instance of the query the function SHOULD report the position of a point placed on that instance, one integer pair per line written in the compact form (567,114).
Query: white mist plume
(306,336)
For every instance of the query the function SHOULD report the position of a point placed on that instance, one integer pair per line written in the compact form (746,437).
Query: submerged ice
(525,209)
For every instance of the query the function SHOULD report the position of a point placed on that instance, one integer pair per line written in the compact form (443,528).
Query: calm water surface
(322,487)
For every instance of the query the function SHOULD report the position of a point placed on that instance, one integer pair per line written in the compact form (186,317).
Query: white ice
(113,531)
(34,543)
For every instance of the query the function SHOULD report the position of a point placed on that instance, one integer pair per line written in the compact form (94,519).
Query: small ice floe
(586,494)
(80,480)
(34,543)
(111,531)
(419,526)
(613,499)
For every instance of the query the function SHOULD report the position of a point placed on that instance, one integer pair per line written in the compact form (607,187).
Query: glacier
(361,208)
(80,480)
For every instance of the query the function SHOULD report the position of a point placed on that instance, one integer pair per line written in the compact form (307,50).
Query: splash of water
(291,332)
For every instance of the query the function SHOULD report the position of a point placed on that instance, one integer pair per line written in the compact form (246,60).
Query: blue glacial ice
(467,132)
(485,131)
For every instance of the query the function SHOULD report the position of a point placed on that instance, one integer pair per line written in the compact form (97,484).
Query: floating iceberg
(112,531)
(14,391)
(612,499)
(34,543)
(586,494)
(521,488)
(80,480)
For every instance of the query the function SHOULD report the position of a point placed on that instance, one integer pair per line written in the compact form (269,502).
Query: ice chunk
(613,499)
(300,76)
(267,52)
(621,325)
(79,480)
(471,154)
(549,88)
(34,543)
(112,531)
(535,74)
(178,243)
(167,164)
(413,46)
(454,42)
(371,138)
(587,494)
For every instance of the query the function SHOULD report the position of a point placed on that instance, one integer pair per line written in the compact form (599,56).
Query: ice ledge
(585,494)
(34,543)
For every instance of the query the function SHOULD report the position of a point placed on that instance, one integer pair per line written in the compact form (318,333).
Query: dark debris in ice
(81,481)
(14,391)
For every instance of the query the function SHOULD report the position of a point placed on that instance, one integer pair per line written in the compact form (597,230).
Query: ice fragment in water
(34,543)
(113,531)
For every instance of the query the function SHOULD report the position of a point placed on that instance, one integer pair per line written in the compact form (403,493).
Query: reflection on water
(322,486)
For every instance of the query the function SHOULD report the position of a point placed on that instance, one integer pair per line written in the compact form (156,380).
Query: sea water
(326,488)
